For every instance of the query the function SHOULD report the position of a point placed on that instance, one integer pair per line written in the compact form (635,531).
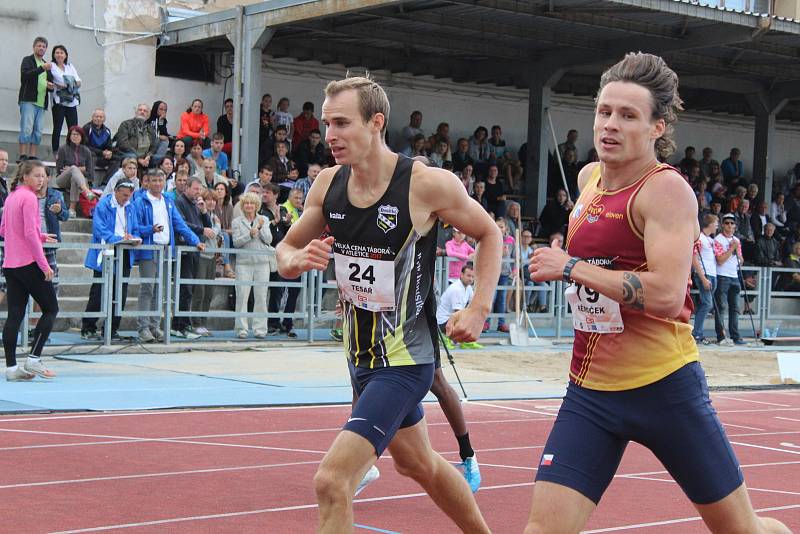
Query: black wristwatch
(566,275)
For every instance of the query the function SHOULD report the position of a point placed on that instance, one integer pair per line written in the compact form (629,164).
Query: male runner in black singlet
(381,209)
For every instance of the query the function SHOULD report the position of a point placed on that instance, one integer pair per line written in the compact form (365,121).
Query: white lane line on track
(186,411)
(745,427)
(760,410)
(266,510)
(126,439)
(754,401)
(512,408)
(790,445)
(681,520)
(378,499)
(643,476)
(151,475)
(763,447)
(749,488)
(787,419)
(777,433)
(189,411)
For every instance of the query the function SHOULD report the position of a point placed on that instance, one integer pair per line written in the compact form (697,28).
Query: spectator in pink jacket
(26,270)
(460,249)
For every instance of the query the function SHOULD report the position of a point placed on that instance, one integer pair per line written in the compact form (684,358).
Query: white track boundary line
(190,411)
(123,439)
(749,488)
(129,439)
(682,520)
(760,410)
(151,475)
(267,510)
(753,434)
(755,401)
(787,419)
(183,411)
(764,447)
(511,408)
(745,427)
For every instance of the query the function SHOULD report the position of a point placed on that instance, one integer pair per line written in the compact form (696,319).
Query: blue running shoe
(471,472)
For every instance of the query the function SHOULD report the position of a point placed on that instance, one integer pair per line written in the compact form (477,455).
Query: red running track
(250,470)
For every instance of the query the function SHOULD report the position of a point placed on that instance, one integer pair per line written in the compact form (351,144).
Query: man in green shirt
(36,81)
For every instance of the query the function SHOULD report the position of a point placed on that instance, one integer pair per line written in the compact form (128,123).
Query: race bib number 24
(366,283)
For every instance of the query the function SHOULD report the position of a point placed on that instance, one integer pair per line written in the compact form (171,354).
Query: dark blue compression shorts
(672,417)
(388,399)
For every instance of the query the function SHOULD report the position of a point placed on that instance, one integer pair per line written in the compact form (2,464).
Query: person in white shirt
(728,252)
(65,96)
(777,211)
(704,264)
(158,221)
(456,296)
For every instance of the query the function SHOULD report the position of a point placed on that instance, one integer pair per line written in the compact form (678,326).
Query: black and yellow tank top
(384,271)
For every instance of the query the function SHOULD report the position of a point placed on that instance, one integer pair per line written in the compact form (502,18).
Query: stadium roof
(721,55)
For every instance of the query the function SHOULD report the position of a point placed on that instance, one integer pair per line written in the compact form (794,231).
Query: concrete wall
(465,107)
(117,77)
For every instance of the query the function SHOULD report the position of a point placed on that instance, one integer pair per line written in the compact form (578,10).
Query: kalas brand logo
(593,212)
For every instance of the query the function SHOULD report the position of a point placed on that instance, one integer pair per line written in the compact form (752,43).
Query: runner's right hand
(315,255)
(48,275)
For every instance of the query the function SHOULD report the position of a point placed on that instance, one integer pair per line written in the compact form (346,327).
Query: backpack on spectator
(86,206)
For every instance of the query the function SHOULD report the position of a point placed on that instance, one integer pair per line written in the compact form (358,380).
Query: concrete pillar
(542,80)
(249,42)
(765,110)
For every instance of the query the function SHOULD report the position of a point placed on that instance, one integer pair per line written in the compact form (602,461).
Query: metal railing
(772,295)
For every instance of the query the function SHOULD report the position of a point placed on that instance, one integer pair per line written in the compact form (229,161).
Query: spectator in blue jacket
(158,220)
(114,220)
(193,209)
(733,169)
(52,210)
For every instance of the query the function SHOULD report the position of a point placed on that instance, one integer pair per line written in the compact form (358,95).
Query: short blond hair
(372,98)
(251,198)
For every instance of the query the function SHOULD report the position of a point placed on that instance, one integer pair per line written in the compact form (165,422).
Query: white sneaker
(371,476)
(727,342)
(202,331)
(36,367)
(18,375)
(242,334)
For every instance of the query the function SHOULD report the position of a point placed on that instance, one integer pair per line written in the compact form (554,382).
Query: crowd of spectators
(177,188)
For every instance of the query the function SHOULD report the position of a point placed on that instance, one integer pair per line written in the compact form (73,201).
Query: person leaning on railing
(158,220)
(114,220)
(206,268)
(251,231)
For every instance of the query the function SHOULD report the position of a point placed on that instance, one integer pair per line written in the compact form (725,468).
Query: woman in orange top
(194,124)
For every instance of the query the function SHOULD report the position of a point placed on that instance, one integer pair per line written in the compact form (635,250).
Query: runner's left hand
(547,263)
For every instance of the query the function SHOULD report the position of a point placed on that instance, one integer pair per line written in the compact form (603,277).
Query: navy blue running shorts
(672,417)
(389,398)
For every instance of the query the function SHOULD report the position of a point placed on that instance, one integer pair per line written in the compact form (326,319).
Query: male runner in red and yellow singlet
(634,374)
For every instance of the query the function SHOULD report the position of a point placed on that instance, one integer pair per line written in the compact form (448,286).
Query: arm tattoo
(632,291)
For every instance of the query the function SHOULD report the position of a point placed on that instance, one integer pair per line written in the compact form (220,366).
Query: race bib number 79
(366,283)
(592,311)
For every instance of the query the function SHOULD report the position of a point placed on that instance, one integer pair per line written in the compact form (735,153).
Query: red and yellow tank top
(602,232)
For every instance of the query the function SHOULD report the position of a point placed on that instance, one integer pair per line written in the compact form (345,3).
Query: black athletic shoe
(291,334)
